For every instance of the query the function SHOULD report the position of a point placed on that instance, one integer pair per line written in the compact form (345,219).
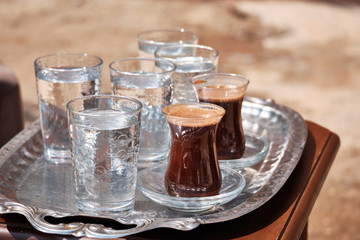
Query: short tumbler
(190,60)
(150,40)
(104,135)
(60,78)
(149,81)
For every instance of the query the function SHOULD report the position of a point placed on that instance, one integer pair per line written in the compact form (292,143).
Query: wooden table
(284,216)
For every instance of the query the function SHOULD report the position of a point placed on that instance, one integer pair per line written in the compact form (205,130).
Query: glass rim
(165,72)
(75,69)
(220,110)
(174,30)
(104,96)
(197,46)
(208,76)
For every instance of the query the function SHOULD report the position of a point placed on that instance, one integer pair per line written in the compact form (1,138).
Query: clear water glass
(104,135)
(60,78)
(150,40)
(149,81)
(190,60)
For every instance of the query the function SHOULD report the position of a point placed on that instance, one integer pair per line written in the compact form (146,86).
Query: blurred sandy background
(305,55)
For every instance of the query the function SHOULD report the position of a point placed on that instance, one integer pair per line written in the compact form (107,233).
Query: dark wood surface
(284,216)
(11,120)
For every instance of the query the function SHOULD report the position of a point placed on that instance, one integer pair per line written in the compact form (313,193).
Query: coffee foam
(221,92)
(193,115)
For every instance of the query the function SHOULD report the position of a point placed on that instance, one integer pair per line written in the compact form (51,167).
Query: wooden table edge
(296,222)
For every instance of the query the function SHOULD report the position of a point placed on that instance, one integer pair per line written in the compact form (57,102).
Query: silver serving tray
(38,190)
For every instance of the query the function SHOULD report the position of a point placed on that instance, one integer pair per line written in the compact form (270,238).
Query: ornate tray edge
(36,216)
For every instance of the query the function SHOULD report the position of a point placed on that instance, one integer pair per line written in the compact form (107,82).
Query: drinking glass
(104,135)
(149,81)
(190,60)
(193,169)
(150,40)
(227,91)
(60,78)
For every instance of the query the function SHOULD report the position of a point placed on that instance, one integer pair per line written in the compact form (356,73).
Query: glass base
(121,209)
(151,184)
(58,156)
(256,148)
(151,160)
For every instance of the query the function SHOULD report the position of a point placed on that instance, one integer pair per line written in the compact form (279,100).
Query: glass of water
(190,60)
(60,78)
(104,135)
(150,40)
(149,81)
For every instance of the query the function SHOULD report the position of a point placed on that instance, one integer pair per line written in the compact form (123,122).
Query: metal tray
(41,191)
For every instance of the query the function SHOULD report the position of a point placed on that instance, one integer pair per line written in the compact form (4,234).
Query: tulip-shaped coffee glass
(226,90)
(193,169)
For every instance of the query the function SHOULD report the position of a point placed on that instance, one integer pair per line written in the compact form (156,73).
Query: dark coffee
(193,169)
(230,140)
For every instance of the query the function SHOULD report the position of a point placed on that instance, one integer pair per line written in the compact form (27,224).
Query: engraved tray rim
(295,142)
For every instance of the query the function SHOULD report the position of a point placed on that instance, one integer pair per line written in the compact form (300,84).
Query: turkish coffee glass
(193,168)
(226,90)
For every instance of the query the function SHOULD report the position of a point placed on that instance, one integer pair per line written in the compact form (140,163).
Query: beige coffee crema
(219,92)
(193,115)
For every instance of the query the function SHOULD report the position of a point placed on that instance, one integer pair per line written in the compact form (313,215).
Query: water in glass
(186,69)
(155,134)
(105,150)
(53,96)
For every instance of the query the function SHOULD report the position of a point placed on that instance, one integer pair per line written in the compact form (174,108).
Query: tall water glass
(150,40)
(60,78)
(227,91)
(104,134)
(149,81)
(190,60)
